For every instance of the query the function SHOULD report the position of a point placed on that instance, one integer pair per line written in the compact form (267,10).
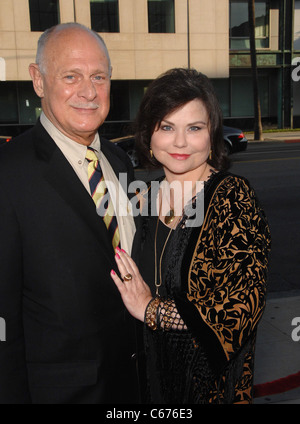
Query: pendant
(170,217)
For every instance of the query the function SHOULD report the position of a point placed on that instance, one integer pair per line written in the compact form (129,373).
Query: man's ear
(37,79)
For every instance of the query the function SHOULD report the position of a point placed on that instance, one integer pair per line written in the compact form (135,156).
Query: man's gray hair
(44,38)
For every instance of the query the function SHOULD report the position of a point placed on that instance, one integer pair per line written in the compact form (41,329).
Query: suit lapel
(119,166)
(60,174)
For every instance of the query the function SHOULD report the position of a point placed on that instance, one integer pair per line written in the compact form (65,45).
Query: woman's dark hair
(166,94)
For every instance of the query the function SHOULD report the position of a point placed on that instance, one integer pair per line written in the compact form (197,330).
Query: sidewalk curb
(292,141)
(277,358)
(273,140)
(278,139)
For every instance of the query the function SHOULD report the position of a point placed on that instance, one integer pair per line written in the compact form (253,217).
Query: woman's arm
(157,312)
(227,281)
(163,313)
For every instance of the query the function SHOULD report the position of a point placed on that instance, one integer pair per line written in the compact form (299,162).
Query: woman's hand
(135,292)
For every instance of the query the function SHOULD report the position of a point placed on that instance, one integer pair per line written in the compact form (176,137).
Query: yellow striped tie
(101,197)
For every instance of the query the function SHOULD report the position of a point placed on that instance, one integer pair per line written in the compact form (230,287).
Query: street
(273,169)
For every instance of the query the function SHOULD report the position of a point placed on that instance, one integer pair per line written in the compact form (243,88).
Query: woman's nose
(180,139)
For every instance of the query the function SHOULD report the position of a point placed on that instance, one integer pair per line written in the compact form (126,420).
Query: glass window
(239,25)
(18,103)
(242,96)
(8,103)
(105,15)
(43,14)
(222,89)
(297,25)
(161,16)
(119,101)
(29,104)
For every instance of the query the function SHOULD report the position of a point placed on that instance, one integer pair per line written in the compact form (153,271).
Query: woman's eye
(166,128)
(195,128)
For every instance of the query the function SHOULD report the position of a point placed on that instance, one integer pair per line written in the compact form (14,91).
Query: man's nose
(87,89)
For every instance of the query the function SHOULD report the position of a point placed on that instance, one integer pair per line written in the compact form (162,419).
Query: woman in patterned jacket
(198,281)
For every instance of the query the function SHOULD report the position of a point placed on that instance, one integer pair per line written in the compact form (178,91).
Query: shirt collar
(68,146)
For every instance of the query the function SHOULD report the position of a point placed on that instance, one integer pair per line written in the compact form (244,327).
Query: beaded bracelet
(151,313)
(167,318)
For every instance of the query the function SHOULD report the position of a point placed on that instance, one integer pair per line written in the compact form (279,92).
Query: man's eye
(69,78)
(98,78)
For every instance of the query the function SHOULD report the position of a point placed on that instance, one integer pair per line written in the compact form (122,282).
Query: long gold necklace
(158,285)
(169,219)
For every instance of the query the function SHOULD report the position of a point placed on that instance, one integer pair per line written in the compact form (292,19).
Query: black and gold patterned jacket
(215,278)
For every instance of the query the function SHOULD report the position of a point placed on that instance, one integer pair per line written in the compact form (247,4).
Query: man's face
(75,87)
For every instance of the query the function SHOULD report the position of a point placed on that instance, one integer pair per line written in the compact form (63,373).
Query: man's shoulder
(18,150)
(115,154)
(107,145)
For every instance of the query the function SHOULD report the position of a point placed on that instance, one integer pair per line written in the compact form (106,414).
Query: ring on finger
(127,277)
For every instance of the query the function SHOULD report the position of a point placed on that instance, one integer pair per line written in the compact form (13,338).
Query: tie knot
(91,155)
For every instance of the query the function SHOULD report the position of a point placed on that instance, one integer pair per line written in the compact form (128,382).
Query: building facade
(147,37)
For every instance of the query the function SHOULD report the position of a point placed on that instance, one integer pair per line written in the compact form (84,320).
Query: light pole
(188,34)
(74,11)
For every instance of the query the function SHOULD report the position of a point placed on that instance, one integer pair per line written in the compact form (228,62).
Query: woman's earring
(210,155)
(151,153)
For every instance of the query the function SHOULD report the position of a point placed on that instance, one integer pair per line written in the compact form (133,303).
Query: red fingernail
(123,250)
(118,249)
(118,256)
(112,272)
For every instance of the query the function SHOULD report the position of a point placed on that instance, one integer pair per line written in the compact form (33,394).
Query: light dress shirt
(75,153)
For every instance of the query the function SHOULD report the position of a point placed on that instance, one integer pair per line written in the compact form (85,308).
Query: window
(297,25)
(242,105)
(161,16)
(119,101)
(18,103)
(8,103)
(239,25)
(222,89)
(43,14)
(29,103)
(105,15)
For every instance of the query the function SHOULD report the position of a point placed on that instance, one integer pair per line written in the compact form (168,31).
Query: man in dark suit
(69,338)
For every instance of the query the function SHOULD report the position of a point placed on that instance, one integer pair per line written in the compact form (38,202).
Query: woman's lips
(178,156)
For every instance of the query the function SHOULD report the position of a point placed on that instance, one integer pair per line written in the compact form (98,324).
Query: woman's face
(182,141)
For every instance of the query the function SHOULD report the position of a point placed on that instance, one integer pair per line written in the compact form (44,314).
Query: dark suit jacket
(69,338)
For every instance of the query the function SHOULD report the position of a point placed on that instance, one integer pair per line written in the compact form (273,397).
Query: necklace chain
(168,220)
(158,285)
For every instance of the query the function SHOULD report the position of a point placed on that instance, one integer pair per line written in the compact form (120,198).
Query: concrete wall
(135,53)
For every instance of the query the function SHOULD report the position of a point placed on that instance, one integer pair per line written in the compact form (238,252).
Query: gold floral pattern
(227,278)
